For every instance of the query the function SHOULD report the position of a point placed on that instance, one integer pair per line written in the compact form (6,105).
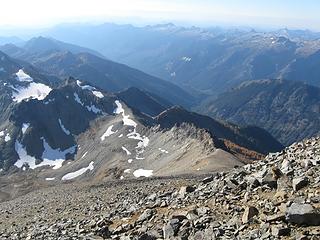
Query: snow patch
(121,135)
(186,59)
(55,155)
(33,90)
(66,131)
(127,170)
(1,133)
(50,178)
(23,77)
(143,141)
(130,160)
(98,94)
(125,118)
(24,127)
(77,98)
(142,173)
(162,150)
(126,150)
(108,133)
(7,138)
(77,173)
(93,109)
(84,154)
(90,88)
(2,69)
(24,158)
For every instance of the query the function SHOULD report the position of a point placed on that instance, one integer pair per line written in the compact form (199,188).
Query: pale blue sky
(265,13)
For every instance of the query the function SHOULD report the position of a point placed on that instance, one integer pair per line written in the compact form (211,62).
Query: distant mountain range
(63,60)
(208,60)
(289,110)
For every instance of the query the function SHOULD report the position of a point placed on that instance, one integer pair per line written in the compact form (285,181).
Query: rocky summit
(275,198)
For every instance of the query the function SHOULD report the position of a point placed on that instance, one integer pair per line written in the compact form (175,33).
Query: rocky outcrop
(256,201)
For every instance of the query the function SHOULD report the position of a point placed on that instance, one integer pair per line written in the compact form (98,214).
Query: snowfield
(51,157)
(23,77)
(33,90)
(142,173)
(77,173)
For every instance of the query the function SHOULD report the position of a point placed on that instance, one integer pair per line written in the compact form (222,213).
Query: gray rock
(207,180)
(280,230)
(303,214)
(276,217)
(298,183)
(184,190)
(168,231)
(147,214)
(249,213)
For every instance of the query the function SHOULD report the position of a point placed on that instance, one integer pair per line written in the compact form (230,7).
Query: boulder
(298,183)
(249,213)
(280,230)
(303,214)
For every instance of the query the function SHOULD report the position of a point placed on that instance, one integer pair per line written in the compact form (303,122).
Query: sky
(294,14)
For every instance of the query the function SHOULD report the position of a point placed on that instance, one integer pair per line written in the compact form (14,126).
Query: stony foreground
(277,198)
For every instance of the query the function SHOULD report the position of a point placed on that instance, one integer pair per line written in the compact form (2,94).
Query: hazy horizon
(292,14)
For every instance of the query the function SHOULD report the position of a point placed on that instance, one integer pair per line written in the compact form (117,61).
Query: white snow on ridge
(66,131)
(91,108)
(98,94)
(24,127)
(127,170)
(125,118)
(33,90)
(1,133)
(142,173)
(90,88)
(23,77)
(77,173)
(126,150)
(107,133)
